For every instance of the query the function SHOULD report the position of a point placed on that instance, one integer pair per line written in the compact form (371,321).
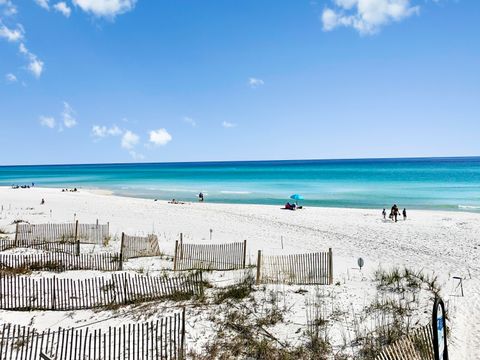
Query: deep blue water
(431,183)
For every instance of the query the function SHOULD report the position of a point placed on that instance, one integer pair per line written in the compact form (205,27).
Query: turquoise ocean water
(426,183)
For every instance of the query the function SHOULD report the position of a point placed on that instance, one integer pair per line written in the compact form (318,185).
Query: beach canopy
(296,197)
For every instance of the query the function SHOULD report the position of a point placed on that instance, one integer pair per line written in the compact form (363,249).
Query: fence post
(244,253)
(76,237)
(121,251)
(330,266)
(16,235)
(175,258)
(54,297)
(181,246)
(259,264)
(97,223)
(182,350)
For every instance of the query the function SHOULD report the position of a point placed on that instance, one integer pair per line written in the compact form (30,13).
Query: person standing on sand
(384,213)
(200,197)
(42,202)
(404,213)
(395,212)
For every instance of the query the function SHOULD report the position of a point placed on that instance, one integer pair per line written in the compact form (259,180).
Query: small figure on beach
(394,212)
(289,206)
(42,202)
(200,197)
(384,213)
(404,213)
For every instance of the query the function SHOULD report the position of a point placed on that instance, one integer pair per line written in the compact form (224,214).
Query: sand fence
(160,339)
(138,246)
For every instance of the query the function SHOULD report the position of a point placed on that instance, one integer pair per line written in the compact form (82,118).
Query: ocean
(420,183)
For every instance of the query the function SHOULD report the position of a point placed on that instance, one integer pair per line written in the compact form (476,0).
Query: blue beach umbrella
(297,197)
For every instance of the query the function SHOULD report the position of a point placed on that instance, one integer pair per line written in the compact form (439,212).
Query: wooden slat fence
(95,234)
(161,339)
(25,293)
(301,269)
(210,256)
(60,247)
(137,246)
(418,345)
(61,262)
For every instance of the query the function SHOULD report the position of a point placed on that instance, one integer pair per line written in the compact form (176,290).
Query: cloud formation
(105,8)
(43,3)
(47,121)
(99,131)
(35,65)
(190,121)
(63,8)
(228,125)
(366,16)
(254,82)
(159,137)
(68,115)
(11,35)
(129,140)
(10,78)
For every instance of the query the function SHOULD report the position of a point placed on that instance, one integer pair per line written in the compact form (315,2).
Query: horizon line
(252,161)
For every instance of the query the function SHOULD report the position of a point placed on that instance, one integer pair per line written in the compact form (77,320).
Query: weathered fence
(56,261)
(161,339)
(25,293)
(137,246)
(61,247)
(418,345)
(210,256)
(301,269)
(64,233)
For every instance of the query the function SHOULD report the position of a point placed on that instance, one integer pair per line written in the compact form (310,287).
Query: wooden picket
(161,339)
(210,256)
(60,262)
(25,293)
(418,345)
(301,269)
(64,233)
(60,247)
(137,246)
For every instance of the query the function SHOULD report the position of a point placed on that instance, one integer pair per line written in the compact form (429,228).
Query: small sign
(360,263)
(439,330)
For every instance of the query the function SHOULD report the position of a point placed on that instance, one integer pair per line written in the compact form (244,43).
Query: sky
(104,81)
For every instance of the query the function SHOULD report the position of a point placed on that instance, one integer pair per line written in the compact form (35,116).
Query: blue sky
(86,81)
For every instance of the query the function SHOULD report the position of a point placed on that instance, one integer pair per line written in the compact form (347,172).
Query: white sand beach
(444,243)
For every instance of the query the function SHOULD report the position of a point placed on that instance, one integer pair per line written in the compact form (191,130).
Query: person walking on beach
(384,213)
(395,212)
(404,213)
(200,197)
(42,202)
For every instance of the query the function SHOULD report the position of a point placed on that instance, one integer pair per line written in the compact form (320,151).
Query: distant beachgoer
(395,212)
(42,202)
(384,213)
(404,213)
(200,197)
(33,184)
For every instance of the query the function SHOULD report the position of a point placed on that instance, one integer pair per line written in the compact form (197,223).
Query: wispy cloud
(105,8)
(190,121)
(68,115)
(129,140)
(11,35)
(35,65)
(366,16)
(228,125)
(43,3)
(254,82)
(99,131)
(10,78)
(135,155)
(47,121)
(8,8)
(160,137)
(63,8)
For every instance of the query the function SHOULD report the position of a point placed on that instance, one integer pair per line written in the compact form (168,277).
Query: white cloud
(47,121)
(103,131)
(160,137)
(135,155)
(228,125)
(43,4)
(366,16)
(254,82)
(35,65)
(68,115)
(10,78)
(11,35)
(105,8)
(129,140)
(190,121)
(9,8)
(63,8)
